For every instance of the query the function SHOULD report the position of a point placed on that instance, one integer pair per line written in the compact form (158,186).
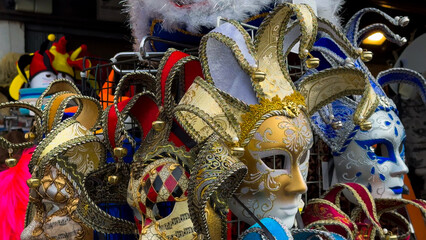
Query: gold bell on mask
(312,62)
(120,152)
(29,136)
(365,126)
(33,182)
(11,162)
(259,76)
(113,179)
(366,56)
(237,152)
(158,125)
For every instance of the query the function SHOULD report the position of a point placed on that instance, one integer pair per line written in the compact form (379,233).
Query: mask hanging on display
(373,154)
(61,160)
(366,221)
(158,181)
(250,103)
(158,187)
(160,195)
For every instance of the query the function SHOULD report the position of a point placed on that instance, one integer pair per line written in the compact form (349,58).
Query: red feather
(14,194)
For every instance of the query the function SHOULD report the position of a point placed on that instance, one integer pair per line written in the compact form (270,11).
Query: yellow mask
(277,161)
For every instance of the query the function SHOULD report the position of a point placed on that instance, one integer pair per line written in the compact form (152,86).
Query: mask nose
(297,183)
(399,169)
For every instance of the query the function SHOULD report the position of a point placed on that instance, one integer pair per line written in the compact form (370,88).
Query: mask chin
(269,207)
(375,158)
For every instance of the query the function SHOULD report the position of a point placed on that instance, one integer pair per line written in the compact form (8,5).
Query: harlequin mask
(372,155)
(55,215)
(159,195)
(274,129)
(157,187)
(58,165)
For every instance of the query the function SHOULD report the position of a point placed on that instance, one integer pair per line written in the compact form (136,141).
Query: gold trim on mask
(290,104)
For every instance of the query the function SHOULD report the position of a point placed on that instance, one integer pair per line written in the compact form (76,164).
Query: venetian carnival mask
(67,153)
(159,175)
(271,136)
(277,159)
(159,195)
(372,155)
(55,217)
(375,158)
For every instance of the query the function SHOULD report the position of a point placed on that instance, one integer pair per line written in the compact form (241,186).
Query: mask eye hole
(380,150)
(304,157)
(163,209)
(276,161)
(401,148)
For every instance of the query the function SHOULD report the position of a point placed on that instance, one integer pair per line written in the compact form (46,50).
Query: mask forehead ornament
(250,103)
(373,154)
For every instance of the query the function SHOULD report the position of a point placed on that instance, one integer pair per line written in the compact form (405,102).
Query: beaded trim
(337,35)
(150,84)
(352,26)
(367,104)
(214,178)
(56,86)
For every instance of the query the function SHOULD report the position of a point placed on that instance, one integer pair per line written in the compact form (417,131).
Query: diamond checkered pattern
(164,182)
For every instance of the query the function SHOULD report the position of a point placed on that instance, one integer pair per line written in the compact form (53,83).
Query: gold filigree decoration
(290,104)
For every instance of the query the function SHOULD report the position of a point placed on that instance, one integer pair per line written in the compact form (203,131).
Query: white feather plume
(203,13)
(330,10)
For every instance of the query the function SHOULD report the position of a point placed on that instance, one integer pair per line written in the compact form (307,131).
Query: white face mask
(43,79)
(375,158)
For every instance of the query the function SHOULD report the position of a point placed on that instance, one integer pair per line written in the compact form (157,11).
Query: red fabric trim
(112,121)
(229,225)
(322,211)
(174,139)
(148,114)
(192,70)
(362,193)
(171,61)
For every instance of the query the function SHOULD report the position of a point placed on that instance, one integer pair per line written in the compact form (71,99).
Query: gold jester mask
(249,101)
